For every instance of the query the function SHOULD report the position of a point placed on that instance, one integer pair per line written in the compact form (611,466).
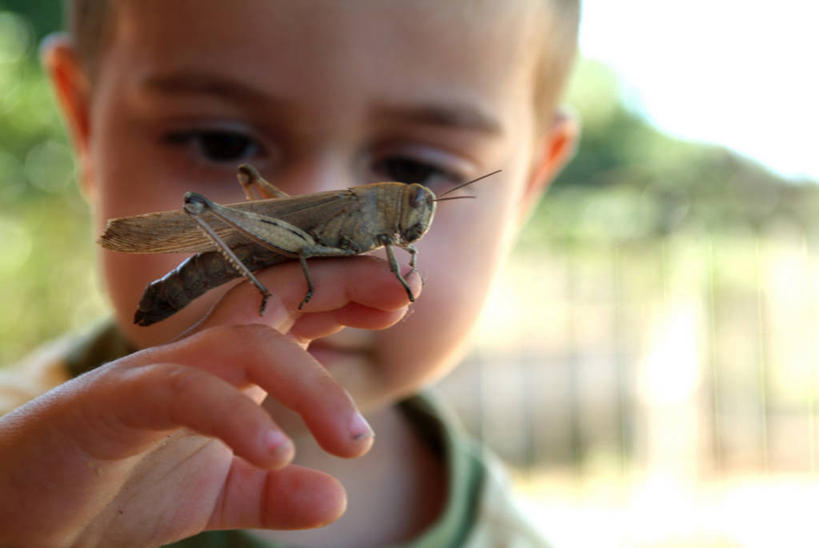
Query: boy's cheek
(457,271)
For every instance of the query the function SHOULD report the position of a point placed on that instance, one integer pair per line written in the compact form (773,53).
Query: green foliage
(47,283)
(41,17)
(629,181)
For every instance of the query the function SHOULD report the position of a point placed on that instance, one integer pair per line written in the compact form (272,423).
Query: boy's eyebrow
(203,83)
(457,115)
(447,115)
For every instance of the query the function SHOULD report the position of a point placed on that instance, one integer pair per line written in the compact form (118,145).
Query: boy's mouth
(327,356)
(349,343)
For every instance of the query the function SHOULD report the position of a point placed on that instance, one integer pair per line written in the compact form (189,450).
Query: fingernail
(360,428)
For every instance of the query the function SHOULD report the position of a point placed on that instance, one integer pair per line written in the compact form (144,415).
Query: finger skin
(114,440)
(292,498)
(350,287)
(322,324)
(85,436)
(244,355)
(147,400)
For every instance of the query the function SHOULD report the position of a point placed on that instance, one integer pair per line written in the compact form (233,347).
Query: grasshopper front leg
(413,251)
(396,269)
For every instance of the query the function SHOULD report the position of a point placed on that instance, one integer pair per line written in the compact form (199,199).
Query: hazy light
(735,73)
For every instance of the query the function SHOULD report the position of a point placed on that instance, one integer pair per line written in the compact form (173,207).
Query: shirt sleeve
(43,370)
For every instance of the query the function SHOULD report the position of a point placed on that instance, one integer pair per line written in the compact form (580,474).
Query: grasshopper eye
(420,196)
(416,198)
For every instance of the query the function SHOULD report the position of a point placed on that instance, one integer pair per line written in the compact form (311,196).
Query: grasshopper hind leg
(195,204)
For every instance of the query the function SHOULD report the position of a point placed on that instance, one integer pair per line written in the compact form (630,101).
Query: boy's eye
(409,170)
(217,145)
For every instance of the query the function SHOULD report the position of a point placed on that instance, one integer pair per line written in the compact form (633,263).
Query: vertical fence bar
(530,391)
(576,442)
(713,365)
(813,396)
(763,379)
(623,378)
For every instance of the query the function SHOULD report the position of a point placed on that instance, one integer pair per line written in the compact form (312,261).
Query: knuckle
(258,338)
(180,379)
(240,336)
(256,331)
(159,377)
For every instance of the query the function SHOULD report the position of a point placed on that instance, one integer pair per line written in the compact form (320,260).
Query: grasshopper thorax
(417,210)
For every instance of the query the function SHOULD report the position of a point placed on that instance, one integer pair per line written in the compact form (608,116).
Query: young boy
(237,422)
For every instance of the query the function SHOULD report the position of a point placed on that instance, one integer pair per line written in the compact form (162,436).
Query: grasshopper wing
(176,232)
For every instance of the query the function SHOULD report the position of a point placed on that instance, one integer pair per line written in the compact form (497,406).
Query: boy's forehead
(356,45)
(457,15)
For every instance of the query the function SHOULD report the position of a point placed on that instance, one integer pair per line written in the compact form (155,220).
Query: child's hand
(170,441)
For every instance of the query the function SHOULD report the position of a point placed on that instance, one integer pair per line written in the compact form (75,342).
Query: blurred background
(649,363)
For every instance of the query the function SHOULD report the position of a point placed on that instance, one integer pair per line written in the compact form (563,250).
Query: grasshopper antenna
(451,190)
(452,198)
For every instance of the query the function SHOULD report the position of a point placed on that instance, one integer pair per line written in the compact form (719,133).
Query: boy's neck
(394,492)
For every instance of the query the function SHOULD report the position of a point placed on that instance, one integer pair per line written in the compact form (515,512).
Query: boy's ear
(554,150)
(72,89)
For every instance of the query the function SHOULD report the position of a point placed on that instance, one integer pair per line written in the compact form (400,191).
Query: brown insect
(237,239)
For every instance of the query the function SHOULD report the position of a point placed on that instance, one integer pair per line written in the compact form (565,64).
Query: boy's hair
(558,49)
(87,24)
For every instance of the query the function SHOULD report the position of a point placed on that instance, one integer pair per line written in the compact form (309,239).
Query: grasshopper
(237,239)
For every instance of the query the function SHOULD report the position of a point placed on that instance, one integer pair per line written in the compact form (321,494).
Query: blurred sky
(739,73)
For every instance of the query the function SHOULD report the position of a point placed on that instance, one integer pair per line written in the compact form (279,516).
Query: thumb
(293,497)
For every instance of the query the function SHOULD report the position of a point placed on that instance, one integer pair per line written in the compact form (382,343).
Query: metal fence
(695,354)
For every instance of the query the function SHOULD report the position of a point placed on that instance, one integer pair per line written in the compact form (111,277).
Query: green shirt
(478,513)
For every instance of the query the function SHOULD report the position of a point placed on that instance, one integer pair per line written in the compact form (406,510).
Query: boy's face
(322,95)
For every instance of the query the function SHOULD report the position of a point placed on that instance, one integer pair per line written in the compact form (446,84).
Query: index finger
(246,355)
(360,291)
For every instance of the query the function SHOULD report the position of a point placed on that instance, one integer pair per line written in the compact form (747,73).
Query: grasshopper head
(417,210)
